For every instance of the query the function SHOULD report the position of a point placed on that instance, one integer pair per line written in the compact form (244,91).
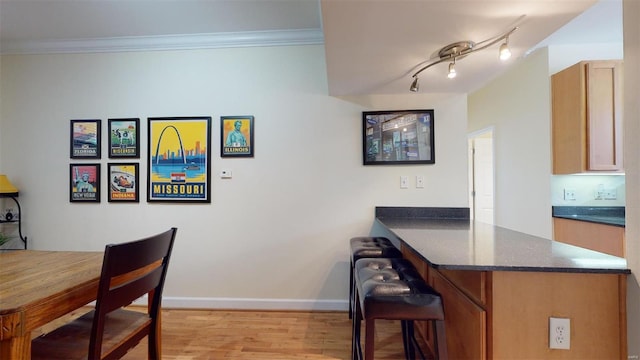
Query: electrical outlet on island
(559,333)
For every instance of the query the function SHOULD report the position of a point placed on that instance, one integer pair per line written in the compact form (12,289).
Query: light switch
(225,174)
(404,182)
(420,182)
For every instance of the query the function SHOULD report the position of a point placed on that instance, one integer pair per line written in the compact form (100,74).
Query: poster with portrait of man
(236,136)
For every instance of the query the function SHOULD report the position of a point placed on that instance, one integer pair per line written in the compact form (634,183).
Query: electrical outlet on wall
(599,193)
(559,333)
(569,194)
(610,194)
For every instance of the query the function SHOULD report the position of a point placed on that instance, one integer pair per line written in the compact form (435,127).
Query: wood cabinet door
(608,239)
(604,112)
(568,114)
(586,111)
(465,321)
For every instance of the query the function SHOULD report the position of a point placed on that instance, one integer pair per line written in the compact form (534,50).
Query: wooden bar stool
(392,289)
(368,247)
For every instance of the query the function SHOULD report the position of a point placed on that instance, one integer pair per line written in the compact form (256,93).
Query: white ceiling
(372,46)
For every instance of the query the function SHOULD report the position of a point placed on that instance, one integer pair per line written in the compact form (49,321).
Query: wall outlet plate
(569,194)
(610,194)
(559,333)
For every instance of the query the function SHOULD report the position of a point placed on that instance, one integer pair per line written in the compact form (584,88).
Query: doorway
(481,173)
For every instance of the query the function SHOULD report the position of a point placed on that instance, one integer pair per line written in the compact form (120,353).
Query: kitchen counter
(493,280)
(614,215)
(450,241)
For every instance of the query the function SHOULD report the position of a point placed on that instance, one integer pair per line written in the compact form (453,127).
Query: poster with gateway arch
(179,153)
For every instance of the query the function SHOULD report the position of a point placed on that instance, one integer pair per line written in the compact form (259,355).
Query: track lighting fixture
(460,50)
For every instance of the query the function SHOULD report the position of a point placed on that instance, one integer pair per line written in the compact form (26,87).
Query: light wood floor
(264,335)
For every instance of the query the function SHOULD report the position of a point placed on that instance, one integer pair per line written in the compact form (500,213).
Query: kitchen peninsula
(500,286)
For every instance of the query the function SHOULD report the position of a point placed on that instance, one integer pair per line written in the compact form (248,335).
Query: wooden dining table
(37,287)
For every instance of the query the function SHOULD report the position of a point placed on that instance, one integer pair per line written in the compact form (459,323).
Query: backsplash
(588,190)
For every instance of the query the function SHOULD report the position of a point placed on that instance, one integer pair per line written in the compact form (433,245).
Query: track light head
(452,70)
(414,85)
(504,52)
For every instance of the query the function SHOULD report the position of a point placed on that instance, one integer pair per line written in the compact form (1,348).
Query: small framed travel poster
(123,182)
(236,136)
(85,139)
(124,138)
(84,183)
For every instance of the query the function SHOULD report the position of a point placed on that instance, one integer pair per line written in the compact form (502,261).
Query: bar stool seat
(368,247)
(392,289)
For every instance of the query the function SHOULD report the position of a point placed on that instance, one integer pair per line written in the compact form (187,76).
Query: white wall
(563,56)
(275,235)
(517,106)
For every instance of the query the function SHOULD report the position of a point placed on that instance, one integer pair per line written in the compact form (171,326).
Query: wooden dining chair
(129,271)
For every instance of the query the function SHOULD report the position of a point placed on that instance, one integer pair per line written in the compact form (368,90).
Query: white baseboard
(250,304)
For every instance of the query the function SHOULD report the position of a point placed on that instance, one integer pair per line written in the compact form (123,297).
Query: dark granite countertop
(458,243)
(614,215)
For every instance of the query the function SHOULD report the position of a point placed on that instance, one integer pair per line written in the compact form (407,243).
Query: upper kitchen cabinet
(587,117)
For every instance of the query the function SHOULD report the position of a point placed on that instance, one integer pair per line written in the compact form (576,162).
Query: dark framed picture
(124,138)
(179,157)
(84,182)
(85,139)
(236,136)
(123,182)
(398,137)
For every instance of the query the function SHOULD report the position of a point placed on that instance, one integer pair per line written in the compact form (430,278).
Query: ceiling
(372,46)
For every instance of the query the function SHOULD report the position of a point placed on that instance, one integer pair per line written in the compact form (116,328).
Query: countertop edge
(585,218)
(521,268)
(530,269)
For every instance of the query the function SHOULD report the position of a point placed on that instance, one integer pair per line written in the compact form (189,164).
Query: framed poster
(85,139)
(124,138)
(84,183)
(123,182)
(179,157)
(236,136)
(398,137)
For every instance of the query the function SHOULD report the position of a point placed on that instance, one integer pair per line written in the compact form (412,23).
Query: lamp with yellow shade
(6,187)
(8,190)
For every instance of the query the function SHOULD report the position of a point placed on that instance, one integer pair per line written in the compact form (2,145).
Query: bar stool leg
(441,340)
(409,339)
(406,339)
(369,338)
(356,322)
(351,291)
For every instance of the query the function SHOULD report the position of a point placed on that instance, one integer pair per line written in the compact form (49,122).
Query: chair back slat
(135,255)
(124,294)
(129,271)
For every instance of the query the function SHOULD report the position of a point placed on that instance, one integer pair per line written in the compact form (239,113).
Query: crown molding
(168,42)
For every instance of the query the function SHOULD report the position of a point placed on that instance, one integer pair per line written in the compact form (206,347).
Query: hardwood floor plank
(261,335)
